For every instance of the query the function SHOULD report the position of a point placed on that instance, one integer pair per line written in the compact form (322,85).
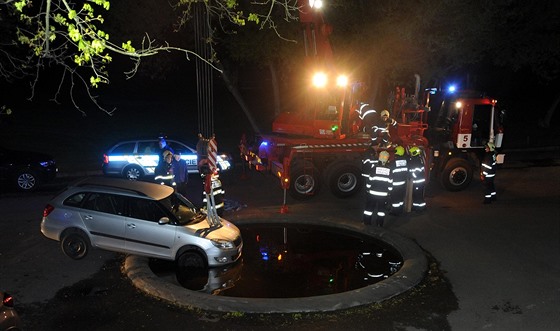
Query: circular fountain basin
(404,267)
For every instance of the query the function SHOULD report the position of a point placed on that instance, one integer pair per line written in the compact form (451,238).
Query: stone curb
(411,273)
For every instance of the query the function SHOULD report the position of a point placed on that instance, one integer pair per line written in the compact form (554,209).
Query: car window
(124,148)
(183,210)
(75,200)
(145,209)
(179,147)
(103,202)
(148,147)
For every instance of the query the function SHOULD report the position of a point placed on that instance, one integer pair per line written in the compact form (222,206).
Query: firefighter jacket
(378,180)
(488,166)
(368,116)
(380,132)
(164,174)
(417,170)
(400,170)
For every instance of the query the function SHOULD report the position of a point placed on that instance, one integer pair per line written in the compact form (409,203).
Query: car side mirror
(163,220)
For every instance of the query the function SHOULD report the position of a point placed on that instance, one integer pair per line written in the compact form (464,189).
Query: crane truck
(323,143)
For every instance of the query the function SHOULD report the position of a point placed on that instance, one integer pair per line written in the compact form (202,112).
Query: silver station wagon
(138,218)
(134,159)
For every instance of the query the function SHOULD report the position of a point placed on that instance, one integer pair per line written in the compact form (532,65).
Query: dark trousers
(418,202)
(375,204)
(397,199)
(489,190)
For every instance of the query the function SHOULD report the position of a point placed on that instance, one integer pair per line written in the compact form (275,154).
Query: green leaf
(128,47)
(60,19)
(97,46)
(231,4)
(73,33)
(20,4)
(253,18)
(94,81)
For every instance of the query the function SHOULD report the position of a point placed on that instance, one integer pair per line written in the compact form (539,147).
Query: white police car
(134,159)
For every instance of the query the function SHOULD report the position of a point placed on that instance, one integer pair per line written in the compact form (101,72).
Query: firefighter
(399,171)
(418,176)
(164,171)
(380,131)
(163,147)
(488,172)
(368,116)
(378,186)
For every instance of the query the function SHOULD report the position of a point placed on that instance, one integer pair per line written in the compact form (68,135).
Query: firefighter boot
(380,221)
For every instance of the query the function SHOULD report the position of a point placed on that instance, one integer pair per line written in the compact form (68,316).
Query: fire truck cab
(461,124)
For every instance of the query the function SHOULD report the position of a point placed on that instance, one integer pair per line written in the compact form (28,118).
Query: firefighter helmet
(385,113)
(399,150)
(414,151)
(491,147)
(384,157)
(166,153)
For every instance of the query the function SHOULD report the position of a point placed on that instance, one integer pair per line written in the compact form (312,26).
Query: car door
(103,216)
(144,235)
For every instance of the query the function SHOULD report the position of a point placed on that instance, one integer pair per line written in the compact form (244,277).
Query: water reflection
(292,261)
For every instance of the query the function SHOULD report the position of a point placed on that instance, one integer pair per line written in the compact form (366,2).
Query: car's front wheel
(75,245)
(191,260)
(191,271)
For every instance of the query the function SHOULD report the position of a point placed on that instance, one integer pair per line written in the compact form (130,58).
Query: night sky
(162,96)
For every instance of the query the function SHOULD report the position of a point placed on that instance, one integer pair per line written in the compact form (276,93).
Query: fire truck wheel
(345,180)
(305,182)
(456,175)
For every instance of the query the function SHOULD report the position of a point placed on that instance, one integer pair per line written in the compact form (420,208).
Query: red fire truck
(322,143)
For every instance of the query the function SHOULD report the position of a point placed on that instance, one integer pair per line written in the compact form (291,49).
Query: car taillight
(105,158)
(48,209)
(8,300)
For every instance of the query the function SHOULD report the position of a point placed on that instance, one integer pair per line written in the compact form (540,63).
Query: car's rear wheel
(26,180)
(75,245)
(133,173)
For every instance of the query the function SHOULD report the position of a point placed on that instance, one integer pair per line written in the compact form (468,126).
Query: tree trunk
(235,92)
(545,121)
(275,88)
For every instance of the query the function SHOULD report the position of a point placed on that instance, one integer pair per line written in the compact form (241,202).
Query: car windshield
(185,212)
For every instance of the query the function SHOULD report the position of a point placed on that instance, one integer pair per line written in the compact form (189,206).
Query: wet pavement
(490,267)
(491,253)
